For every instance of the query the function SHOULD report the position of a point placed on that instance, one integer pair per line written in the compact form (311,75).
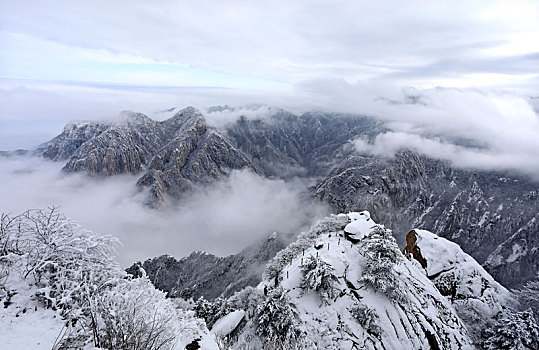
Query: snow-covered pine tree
(211,310)
(319,276)
(367,318)
(512,331)
(276,319)
(382,253)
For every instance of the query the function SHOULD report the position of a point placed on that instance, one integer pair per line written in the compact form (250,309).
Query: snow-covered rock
(224,326)
(476,296)
(363,294)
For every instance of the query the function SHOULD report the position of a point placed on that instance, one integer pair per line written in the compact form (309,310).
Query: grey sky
(269,45)
(475,64)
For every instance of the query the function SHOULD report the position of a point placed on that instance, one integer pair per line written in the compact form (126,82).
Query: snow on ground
(475,295)
(25,324)
(330,324)
(361,224)
(228,323)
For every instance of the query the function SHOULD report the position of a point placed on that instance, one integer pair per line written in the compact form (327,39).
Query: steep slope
(345,284)
(195,155)
(284,144)
(489,215)
(125,147)
(72,137)
(205,275)
(175,153)
(475,295)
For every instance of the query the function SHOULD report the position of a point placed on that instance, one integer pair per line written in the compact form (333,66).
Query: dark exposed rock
(74,135)
(203,274)
(492,216)
(285,145)
(412,249)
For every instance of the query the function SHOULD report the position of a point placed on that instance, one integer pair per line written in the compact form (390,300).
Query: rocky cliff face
(74,135)
(491,216)
(174,153)
(284,144)
(205,275)
(474,294)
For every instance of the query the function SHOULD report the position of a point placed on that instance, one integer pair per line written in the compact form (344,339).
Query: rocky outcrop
(412,250)
(188,159)
(207,275)
(475,295)
(488,214)
(125,147)
(74,135)
(355,295)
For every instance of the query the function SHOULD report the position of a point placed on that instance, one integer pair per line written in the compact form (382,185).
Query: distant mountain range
(493,216)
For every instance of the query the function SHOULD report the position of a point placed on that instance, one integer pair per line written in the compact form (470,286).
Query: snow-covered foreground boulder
(475,295)
(346,285)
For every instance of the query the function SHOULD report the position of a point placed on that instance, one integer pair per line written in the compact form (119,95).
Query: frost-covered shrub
(515,331)
(319,276)
(66,262)
(367,318)
(134,315)
(211,310)
(276,318)
(382,254)
(305,240)
(75,272)
(246,299)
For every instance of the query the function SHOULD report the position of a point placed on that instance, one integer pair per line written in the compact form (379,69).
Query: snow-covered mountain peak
(334,289)
(475,295)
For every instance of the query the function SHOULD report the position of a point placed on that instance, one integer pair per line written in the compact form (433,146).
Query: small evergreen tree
(211,310)
(513,331)
(276,318)
(382,254)
(319,276)
(367,318)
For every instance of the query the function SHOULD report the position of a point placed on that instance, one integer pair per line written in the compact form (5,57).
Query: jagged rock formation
(475,295)
(344,295)
(284,144)
(174,153)
(205,275)
(74,135)
(493,217)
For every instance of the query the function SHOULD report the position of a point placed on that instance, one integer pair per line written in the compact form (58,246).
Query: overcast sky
(88,59)
(273,46)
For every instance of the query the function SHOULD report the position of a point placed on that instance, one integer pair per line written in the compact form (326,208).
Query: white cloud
(222,218)
(279,41)
(389,143)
